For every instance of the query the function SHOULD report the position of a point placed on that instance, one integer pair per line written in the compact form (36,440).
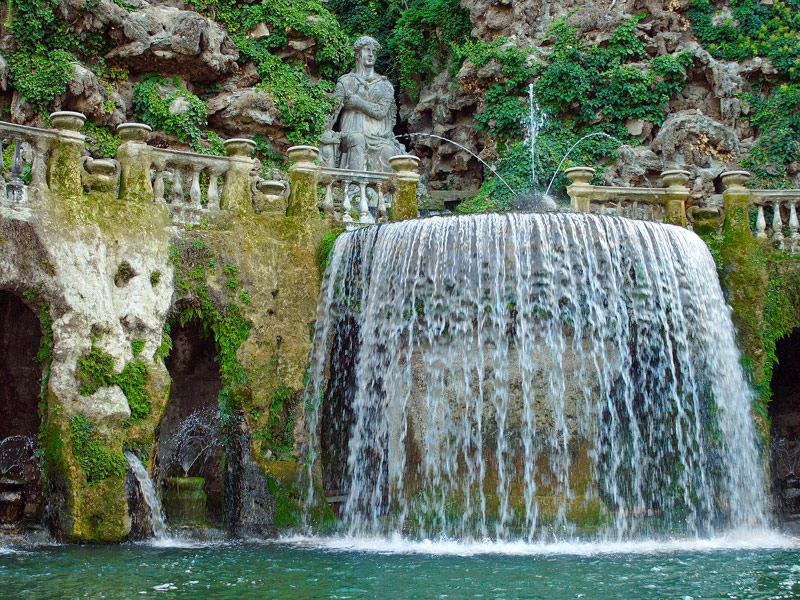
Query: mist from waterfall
(530,376)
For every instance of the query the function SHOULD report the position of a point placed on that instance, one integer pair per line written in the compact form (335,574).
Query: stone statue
(358,134)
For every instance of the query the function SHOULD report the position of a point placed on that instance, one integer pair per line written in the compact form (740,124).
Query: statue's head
(366,43)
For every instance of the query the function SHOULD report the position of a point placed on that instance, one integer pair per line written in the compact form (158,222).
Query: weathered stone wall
(105,276)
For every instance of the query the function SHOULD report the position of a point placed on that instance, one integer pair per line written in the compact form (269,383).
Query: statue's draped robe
(371,114)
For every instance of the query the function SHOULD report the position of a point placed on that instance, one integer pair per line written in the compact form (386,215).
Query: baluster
(2,171)
(761,224)
(177,185)
(213,189)
(380,209)
(158,184)
(794,235)
(346,217)
(194,188)
(327,201)
(38,164)
(777,226)
(363,205)
(16,187)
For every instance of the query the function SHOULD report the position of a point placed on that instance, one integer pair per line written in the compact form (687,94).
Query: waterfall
(149,495)
(530,376)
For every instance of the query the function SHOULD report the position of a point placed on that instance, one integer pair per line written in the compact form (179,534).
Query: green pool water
(308,569)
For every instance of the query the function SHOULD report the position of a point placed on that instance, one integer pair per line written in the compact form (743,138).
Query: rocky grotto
(432,279)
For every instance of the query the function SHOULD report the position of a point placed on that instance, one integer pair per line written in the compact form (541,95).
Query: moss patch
(97,462)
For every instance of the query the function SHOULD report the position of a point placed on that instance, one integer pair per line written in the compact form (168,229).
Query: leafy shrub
(41,76)
(153,109)
(777,117)
(753,29)
(425,36)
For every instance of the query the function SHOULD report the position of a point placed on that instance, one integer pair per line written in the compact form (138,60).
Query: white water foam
(734,540)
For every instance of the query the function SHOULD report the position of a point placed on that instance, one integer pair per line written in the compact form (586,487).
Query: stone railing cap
(239,141)
(575,169)
(676,172)
(143,126)
(67,120)
(67,113)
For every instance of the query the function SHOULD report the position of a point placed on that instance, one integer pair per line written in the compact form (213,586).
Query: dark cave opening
(784,413)
(189,437)
(21,374)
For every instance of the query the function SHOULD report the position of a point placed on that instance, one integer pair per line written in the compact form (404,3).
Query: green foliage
(286,19)
(187,125)
(222,323)
(277,435)
(100,141)
(424,38)
(516,65)
(585,85)
(583,89)
(96,370)
(753,29)
(155,277)
(325,247)
(97,462)
(166,343)
(41,76)
(123,274)
(132,382)
(137,345)
(303,105)
(777,118)
(770,31)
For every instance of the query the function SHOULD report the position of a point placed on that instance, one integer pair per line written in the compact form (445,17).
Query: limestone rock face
(247,109)
(167,39)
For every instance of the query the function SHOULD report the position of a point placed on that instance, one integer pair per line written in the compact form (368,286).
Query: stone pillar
(580,190)
(743,275)
(135,159)
(236,190)
(404,203)
(736,199)
(303,180)
(677,193)
(66,169)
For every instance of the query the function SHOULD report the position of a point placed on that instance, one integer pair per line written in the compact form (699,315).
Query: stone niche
(189,440)
(21,374)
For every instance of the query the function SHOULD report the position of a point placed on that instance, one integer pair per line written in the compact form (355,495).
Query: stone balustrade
(775,210)
(353,198)
(349,195)
(196,186)
(27,149)
(192,185)
(663,205)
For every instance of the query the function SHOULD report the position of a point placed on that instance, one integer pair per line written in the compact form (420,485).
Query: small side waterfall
(149,495)
(533,376)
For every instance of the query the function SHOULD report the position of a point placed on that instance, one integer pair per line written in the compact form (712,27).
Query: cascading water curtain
(534,376)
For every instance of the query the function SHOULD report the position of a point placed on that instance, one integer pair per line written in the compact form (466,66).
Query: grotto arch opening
(190,449)
(784,413)
(21,374)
